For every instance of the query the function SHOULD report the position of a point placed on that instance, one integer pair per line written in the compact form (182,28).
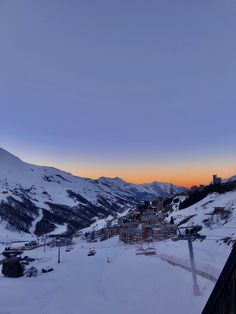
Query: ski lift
(69,248)
(91,252)
(150,250)
(140,250)
(184,233)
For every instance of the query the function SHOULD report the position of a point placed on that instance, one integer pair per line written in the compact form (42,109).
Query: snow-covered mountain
(146,191)
(231,179)
(39,199)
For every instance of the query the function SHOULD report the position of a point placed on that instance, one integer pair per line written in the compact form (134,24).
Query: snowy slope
(231,179)
(216,213)
(89,285)
(37,199)
(130,283)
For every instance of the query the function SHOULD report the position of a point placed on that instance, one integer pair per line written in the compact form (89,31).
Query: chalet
(151,218)
(60,241)
(110,229)
(12,267)
(164,231)
(158,204)
(218,214)
(143,224)
(109,232)
(131,235)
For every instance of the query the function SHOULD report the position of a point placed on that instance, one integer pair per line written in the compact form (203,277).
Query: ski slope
(128,284)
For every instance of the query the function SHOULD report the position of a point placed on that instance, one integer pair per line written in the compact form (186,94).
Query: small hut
(12,267)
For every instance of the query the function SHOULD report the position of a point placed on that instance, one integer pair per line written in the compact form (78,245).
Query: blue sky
(138,89)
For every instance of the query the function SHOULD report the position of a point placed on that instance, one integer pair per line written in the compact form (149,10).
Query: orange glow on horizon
(180,171)
(186,179)
(182,174)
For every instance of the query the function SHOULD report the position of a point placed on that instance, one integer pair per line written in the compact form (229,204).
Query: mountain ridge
(39,198)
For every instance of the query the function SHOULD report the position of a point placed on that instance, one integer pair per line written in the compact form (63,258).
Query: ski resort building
(216,179)
(108,232)
(144,224)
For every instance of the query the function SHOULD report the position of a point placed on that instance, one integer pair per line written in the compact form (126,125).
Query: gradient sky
(144,90)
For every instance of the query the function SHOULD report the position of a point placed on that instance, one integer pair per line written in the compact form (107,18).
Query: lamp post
(44,243)
(59,253)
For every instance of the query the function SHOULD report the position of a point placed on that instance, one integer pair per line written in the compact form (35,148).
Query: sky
(143,90)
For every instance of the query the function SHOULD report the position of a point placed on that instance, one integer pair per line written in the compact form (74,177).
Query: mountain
(38,199)
(147,191)
(231,179)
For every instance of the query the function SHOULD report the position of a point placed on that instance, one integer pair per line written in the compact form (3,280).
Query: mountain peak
(6,157)
(116,179)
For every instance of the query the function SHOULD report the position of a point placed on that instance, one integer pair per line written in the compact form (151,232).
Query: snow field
(129,284)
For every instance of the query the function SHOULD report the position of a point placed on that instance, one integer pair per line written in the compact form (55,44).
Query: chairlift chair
(140,250)
(150,250)
(69,248)
(91,252)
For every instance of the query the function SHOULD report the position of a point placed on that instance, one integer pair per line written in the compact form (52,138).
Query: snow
(88,285)
(98,224)
(60,229)
(7,236)
(209,257)
(14,173)
(233,178)
(211,253)
(46,184)
(128,283)
(102,223)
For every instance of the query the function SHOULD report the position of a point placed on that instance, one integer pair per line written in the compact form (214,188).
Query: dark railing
(223,297)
